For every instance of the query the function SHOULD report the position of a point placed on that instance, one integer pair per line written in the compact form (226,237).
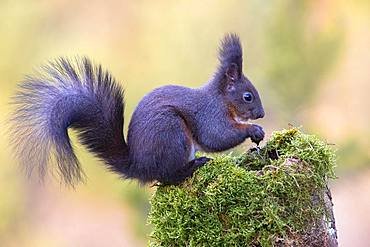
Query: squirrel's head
(240,95)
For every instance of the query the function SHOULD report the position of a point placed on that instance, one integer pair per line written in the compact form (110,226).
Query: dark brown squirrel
(168,126)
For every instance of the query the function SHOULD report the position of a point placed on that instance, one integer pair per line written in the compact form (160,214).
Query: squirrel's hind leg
(166,153)
(178,160)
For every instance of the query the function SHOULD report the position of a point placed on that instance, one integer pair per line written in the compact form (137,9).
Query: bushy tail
(69,94)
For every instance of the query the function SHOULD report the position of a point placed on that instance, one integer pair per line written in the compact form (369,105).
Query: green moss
(253,199)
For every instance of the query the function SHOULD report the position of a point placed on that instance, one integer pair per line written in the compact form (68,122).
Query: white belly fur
(194,148)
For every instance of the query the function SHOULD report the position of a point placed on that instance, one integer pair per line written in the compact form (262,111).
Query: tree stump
(273,196)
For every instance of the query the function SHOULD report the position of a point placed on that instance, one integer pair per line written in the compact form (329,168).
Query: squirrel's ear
(232,72)
(231,56)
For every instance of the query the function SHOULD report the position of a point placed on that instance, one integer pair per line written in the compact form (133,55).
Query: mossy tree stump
(275,196)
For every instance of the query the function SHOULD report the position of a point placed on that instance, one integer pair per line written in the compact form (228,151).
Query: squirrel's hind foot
(187,171)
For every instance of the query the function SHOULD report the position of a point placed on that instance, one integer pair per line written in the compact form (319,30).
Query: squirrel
(167,127)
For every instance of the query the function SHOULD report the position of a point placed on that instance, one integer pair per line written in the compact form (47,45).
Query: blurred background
(310,61)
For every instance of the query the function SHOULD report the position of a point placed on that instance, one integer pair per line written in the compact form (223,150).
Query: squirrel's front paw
(256,134)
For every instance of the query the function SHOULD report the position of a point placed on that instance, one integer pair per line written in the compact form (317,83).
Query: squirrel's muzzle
(258,113)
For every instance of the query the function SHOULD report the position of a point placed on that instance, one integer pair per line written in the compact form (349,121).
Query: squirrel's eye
(248,97)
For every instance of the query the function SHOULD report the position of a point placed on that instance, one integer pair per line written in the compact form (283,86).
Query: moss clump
(254,199)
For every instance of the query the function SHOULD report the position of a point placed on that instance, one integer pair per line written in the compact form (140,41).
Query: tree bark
(323,233)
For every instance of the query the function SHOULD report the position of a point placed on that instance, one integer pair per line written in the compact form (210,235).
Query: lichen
(255,199)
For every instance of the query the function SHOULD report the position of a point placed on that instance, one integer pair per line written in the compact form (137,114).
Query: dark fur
(166,125)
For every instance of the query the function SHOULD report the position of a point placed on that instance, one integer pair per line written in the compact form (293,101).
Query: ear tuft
(231,52)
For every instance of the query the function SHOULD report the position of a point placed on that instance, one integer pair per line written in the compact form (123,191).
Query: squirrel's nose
(262,114)
(259,114)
